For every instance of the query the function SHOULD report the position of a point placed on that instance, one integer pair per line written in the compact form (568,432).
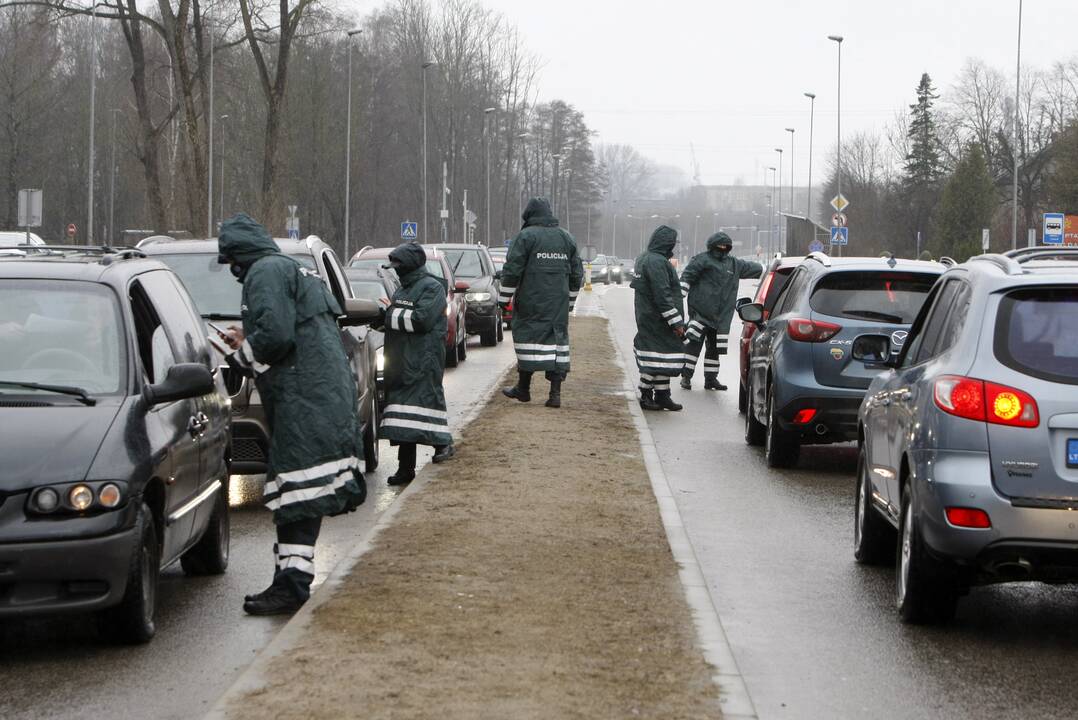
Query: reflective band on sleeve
(676,320)
(407,317)
(671,311)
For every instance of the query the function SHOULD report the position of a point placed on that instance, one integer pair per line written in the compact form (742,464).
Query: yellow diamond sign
(839,202)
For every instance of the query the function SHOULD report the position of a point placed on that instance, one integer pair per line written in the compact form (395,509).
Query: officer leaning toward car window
(290,342)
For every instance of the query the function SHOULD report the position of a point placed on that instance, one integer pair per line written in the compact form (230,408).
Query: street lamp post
(486,136)
(524,182)
(209,144)
(348,152)
(614,234)
(112,181)
(93,92)
(1014,141)
(778,203)
(695,235)
(770,211)
(793,203)
(426,65)
(554,183)
(221,208)
(812,118)
(838,147)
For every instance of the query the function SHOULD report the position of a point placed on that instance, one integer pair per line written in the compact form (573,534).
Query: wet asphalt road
(814,634)
(61,668)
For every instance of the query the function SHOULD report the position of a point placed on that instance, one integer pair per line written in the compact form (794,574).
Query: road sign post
(292,224)
(1053,229)
(985,237)
(840,236)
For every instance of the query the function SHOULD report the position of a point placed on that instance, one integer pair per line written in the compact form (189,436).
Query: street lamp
(425,66)
(221,209)
(112,180)
(812,117)
(524,182)
(1014,141)
(838,147)
(770,211)
(348,151)
(791,131)
(93,91)
(778,204)
(486,136)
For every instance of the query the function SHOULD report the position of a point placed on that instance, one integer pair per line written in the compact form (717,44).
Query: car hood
(480,284)
(51,444)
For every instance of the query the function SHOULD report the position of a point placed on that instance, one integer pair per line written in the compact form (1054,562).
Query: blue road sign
(1053,228)
(840,236)
(409,231)
(815,246)
(293,233)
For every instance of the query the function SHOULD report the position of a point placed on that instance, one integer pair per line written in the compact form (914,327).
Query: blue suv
(803,385)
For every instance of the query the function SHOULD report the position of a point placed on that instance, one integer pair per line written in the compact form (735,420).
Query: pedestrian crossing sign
(409,231)
(840,236)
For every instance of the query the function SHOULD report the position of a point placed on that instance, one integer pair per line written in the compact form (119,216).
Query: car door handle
(197,424)
(902,395)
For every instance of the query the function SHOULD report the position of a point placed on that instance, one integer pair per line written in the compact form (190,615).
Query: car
(456,338)
(803,385)
(378,286)
(116,440)
(767,291)
(968,439)
(217,296)
(627,272)
(480,282)
(19,237)
(606,269)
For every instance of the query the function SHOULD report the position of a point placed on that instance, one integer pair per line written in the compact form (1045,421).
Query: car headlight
(80,497)
(380,359)
(477,297)
(46,500)
(110,495)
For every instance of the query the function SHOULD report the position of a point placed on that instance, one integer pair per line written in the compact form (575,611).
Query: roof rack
(819,257)
(107,253)
(1008,265)
(1026,254)
(947,261)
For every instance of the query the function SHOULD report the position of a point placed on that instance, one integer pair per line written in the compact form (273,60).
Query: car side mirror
(183,381)
(873,350)
(742,301)
(751,313)
(462,286)
(498,275)
(360,311)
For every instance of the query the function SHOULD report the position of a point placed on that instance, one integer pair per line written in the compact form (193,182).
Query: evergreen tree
(923,164)
(1062,182)
(966,206)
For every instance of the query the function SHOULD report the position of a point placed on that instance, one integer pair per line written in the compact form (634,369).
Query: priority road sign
(840,236)
(409,231)
(1053,229)
(839,202)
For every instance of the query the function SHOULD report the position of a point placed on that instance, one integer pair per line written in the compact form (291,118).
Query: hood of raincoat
(663,240)
(539,214)
(407,258)
(719,244)
(243,241)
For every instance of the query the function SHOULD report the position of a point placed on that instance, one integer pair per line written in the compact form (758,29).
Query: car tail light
(804,417)
(968,518)
(986,402)
(804,330)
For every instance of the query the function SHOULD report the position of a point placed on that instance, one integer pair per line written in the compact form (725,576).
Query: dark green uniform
(658,348)
(542,276)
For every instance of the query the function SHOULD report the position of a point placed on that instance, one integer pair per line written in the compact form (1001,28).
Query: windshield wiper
(874,315)
(81,394)
(221,316)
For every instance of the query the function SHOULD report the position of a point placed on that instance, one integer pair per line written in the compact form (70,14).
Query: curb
(733,692)
(255,675)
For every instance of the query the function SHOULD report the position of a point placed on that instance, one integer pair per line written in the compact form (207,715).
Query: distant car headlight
(478,297)
(380,359)
(110,495)
(46,500)
(80,497)
(449,311)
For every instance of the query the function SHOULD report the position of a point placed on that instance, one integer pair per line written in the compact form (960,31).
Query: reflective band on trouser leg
(647,382)
(295,555)
(662,382)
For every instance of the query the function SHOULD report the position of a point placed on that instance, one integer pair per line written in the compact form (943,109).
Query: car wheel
(873,537)
(754,429)
(133,620)
(210,555)
(742,398)
(501,333)
(370,441)
(489,338)
(462,349)
(452,355)
(780,447)
(924,592)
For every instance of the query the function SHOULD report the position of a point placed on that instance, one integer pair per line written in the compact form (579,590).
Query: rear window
(886,297)
(1037,333)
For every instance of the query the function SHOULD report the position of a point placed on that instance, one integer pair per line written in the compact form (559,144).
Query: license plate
(1072,453)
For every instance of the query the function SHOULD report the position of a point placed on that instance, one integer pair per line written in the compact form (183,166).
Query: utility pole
(112,181)
(348,153)
(464,217)
(221,209)
(486,136)
(209,144)
(838,147)
(426,204)
(1014,141)
(93,96)
(445,202)
(812,118)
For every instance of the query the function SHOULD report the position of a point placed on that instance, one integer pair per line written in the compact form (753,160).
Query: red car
(456,340)
(774,280)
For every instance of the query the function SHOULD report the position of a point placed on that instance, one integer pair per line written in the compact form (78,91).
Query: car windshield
(434,267)
(465,263)
(1037,333)
(368,289)
(887,297)
(211,285)
(61,333)
(372,264)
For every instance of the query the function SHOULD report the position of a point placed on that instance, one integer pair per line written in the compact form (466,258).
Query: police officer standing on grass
(660,327)
(291,344)
(415,328)
(710,280)
(543,271)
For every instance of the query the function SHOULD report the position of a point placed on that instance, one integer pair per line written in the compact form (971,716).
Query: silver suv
(969,442)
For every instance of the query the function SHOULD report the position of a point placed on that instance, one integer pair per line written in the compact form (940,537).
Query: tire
(133,620)
(501,332)
(873,537)
(452,355)
(755,431)
(209,556)
(742,398)
(370,442)
(925,592)
(509,324)
(462,349)
(780,447)
(489,338)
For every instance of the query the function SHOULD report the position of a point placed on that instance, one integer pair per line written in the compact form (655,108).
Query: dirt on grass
(530,579)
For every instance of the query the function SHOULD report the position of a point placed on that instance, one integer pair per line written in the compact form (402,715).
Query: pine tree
(923,165)
(966,206)
(1062,182)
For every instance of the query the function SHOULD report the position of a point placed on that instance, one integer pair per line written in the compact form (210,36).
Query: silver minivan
(969,442)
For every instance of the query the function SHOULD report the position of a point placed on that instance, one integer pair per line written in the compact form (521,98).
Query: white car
(19,237)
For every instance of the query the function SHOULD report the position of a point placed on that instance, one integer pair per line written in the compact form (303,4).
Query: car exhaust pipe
(821,429)
(1019,568)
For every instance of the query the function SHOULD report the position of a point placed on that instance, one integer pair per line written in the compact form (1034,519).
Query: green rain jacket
(711,280)
(415,326)
(542,276)
(293,347)
(659,301)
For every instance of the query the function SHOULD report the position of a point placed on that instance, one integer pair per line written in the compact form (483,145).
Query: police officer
(415,327)
(660,327)
(710,280)
(543,272)
(291,344)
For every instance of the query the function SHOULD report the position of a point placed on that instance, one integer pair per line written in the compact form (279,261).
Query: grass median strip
(530,579)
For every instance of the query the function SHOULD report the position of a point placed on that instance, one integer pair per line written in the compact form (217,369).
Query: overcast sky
(730,76)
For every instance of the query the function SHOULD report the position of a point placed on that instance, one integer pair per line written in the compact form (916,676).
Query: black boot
(258,596)
(647,400)
(554,401)
(401,477)
(711,382)
(686,381)
(443,453)
(276,600)
(522,391)
(662,399)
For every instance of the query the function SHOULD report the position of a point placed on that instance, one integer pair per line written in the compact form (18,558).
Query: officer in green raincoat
(660,326)
(543,272)
(415,327)
(710,280)
(291,344)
